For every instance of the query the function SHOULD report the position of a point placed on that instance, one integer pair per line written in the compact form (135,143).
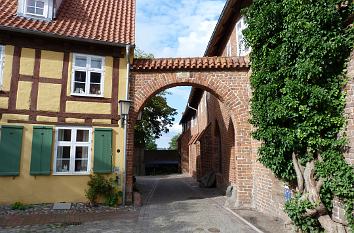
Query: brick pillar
(130,158)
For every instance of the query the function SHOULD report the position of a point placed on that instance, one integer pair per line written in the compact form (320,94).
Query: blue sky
(176,28)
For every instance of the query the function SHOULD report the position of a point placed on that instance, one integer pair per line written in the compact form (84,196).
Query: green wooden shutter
(41,150)
(10,150)
(103,151)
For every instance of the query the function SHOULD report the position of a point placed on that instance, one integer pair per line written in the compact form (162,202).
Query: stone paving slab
(172,204)
(71,219)
(266,223)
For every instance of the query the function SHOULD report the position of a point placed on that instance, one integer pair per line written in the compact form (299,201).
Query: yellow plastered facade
(101,121)
(4,101)
(7,72)
(49,189)
(17,117)
(88,107)
(27,61)
(47,119)
(51,64)
(24,95)
(122,79)
(107,92)
(74,120)
(49,97)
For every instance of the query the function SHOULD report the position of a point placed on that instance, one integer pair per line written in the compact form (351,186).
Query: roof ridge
(189,63)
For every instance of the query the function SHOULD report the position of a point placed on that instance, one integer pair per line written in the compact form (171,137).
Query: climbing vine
(300,50)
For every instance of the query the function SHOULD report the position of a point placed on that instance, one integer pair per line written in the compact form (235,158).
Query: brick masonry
(338,208)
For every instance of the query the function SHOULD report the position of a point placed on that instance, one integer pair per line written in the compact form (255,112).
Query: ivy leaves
(299,54)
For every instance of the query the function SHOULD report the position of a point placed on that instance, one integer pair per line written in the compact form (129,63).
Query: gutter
(190,107)
(217,26)
(57,36)
(127,54)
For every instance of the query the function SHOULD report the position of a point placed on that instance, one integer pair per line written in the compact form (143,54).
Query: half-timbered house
(64,66)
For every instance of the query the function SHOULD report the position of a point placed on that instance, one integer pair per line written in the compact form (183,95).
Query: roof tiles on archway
(194,63)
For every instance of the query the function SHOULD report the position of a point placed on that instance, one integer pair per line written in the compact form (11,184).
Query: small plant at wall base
(19,206)
(299,54)
(101,187)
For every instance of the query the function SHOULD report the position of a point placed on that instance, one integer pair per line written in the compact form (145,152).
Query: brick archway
(225,78)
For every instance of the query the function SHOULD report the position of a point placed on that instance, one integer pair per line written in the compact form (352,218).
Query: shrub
(101,187)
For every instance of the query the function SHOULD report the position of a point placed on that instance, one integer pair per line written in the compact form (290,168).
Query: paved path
(176,204)
(171,204)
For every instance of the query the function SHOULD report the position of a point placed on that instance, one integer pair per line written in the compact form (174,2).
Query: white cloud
(176,128)
(176,28)
(170,28)
(163,141)
(182,92)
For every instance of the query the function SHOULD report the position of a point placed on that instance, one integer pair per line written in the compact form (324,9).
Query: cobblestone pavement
(171,204)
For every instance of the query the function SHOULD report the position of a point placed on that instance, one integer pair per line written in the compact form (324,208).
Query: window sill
(35,17)
(71,174)
(88,96)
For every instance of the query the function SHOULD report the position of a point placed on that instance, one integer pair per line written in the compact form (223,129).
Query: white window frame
(2,64)
(45,9)
(87,69)
(73,144)
(242,50)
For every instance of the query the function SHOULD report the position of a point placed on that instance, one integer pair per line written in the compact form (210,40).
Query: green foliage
(296,208)
(138,53)
(150,142)
(19,206)
(113,198)
(100,187)
(173,142)
(299,54)
(349,207)
(156,119)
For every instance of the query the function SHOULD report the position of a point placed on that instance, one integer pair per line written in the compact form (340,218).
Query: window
(87,76)
(37,8)
(72,150)
(242,48)
(2,62)
(228,49)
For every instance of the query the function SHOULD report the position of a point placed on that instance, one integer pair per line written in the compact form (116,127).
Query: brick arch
(225,78)
(162,81)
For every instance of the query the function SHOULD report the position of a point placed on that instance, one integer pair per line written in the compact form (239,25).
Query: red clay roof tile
(111,21)
(189,63)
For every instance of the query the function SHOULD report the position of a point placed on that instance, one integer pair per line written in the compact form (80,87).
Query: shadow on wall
(215,148)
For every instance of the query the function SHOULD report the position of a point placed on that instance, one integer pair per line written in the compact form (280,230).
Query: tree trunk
(299,175)
(311,192)
(330,226)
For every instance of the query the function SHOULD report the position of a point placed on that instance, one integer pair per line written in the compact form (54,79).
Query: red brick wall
(338,208)
(349,110)
(183,149)
(214,112)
